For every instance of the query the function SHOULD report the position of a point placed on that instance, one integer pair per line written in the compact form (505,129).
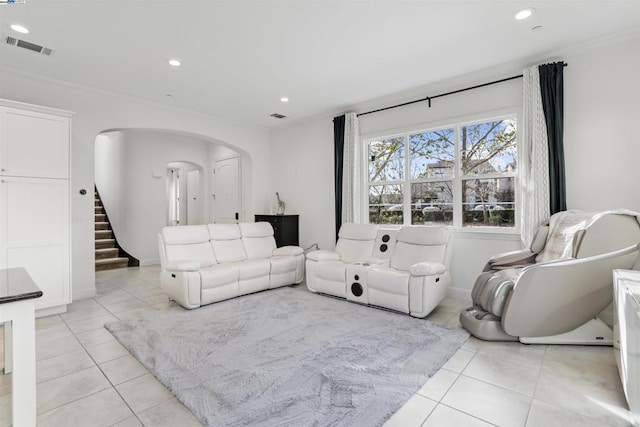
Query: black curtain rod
(429,98)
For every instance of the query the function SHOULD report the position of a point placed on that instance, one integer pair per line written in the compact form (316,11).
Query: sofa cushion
(356,241)
(227,242)
(258,240)
(188,243)
(419,243)
(219,275)
(252,268)
(185,234)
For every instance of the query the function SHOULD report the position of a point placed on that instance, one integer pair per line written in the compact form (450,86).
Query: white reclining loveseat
(552,291)
(404,270)
(202,264)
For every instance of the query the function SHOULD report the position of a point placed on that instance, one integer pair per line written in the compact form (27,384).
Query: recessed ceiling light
(174,62)
(524,14)
(284,99)
(19,29)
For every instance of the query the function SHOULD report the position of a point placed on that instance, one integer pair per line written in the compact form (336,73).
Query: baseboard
(459,293)
(146,262)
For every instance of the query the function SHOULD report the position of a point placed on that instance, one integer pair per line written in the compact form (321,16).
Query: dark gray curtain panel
(338,154)
(552,93)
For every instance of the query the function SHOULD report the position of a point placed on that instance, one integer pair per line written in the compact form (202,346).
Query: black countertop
(16,285)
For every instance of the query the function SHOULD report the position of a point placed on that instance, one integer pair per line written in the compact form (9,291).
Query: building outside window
(461,176)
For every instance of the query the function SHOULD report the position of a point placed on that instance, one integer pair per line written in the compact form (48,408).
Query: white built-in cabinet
(34,198)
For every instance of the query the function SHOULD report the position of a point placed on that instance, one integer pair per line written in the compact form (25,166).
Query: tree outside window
(466,172)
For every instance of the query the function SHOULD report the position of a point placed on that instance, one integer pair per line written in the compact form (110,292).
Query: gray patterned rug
(289,357)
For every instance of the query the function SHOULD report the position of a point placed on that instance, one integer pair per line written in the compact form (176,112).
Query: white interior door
(173,176)
(226,200)
(193,197)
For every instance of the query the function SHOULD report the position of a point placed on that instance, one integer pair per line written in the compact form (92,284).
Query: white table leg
(23,339)
(8,352)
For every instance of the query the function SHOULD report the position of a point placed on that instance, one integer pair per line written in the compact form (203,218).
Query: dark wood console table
(285,228)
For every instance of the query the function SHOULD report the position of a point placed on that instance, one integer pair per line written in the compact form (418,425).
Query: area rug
(289,357)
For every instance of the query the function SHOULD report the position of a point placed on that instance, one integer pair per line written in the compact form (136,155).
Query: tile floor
(86,378)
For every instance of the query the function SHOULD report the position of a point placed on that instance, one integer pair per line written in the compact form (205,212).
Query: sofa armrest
(427,269)
(182,266)
(288,251)
(376,261)
(323,255)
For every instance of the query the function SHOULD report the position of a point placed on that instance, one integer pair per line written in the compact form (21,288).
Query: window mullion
(406,187)
(457,182)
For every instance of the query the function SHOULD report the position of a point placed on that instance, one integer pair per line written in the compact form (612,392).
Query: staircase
(107,251)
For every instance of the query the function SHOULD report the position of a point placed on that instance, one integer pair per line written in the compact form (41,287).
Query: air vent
(28,45)
(278,116)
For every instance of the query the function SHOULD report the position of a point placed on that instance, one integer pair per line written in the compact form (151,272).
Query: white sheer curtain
(534,158)
(350,182)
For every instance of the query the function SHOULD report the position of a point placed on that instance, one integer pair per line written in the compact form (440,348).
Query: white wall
(302,173)
(130,174)
(601,144)
(602,117)
(97,112)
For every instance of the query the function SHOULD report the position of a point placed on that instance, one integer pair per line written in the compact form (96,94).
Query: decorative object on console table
(285,228)
(280,210)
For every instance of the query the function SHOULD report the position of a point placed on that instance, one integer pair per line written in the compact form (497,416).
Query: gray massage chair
(552,291)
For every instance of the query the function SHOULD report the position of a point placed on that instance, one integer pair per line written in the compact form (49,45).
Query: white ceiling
(240,57)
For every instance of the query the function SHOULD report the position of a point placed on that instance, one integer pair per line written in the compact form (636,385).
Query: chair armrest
(183,266)
(323,255)
(288,251)
(427,269)
(514,258)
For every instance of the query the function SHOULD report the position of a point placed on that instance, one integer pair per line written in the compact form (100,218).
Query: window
(463,175)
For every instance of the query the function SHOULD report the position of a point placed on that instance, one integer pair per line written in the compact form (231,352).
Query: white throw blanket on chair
(563,226)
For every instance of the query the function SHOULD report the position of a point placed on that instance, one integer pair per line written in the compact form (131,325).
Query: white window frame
(456,123)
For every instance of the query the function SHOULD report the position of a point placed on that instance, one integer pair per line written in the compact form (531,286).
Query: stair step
(100,217)
(111,263)
(101,226)
(103,234)
(98,209)
(97,203)
(105,253)
(105,243)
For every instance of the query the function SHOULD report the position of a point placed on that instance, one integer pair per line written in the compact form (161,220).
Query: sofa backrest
(188,243)
(258,239)
(355,241)
(419,243)
(226,241)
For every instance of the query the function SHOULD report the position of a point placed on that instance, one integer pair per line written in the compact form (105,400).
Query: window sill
(486,232)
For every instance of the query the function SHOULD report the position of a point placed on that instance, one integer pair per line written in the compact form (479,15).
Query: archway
(131,174)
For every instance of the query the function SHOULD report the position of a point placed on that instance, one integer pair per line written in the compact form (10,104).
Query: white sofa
(404,270)
(202,264)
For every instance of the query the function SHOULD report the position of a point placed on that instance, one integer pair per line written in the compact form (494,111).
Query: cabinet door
(33,144)
(34,234)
